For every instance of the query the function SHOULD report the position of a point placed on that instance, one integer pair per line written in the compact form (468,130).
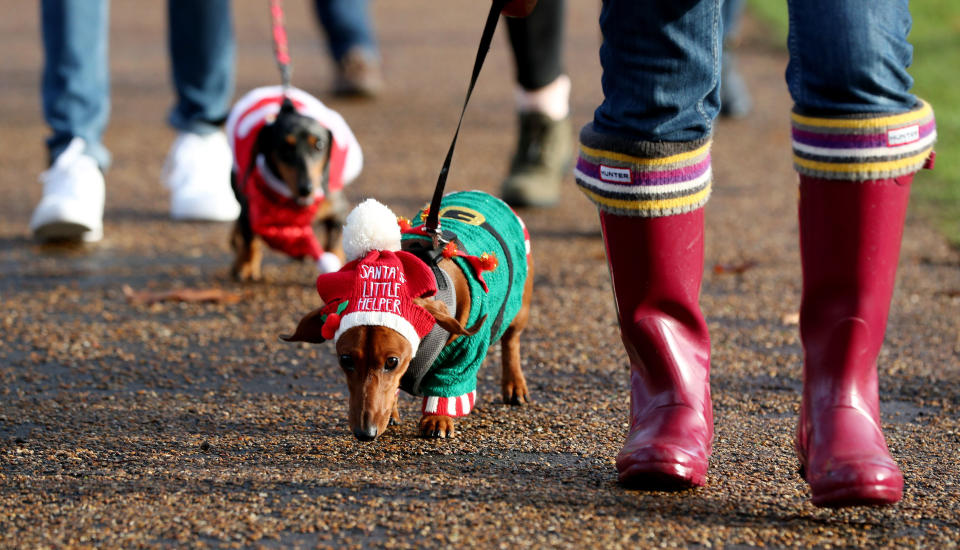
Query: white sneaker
(72,205)
(197,172)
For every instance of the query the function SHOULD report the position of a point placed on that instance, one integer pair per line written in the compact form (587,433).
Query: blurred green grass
(936,58)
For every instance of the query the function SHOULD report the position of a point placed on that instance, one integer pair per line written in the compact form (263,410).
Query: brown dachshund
(383,308)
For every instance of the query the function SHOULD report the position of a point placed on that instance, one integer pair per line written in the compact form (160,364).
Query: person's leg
(734,96)
(76,106)
(537,44)
(859,137)
(348,25)
(202,54)
(645,162)
(545,138)
(76,78)
(353,45)
(854,61)
(660,79)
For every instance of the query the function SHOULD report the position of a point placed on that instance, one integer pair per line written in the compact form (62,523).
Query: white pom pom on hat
(371,225)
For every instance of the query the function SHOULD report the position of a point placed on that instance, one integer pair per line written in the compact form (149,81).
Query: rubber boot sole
(875,494)
(870,495)
(662,476)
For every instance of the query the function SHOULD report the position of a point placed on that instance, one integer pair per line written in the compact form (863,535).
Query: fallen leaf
(207,295)
(736,269)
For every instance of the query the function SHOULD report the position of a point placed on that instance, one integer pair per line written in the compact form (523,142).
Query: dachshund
(405,315)
(292,158)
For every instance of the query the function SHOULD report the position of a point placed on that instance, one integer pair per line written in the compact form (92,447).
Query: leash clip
(430,251)
(438,238)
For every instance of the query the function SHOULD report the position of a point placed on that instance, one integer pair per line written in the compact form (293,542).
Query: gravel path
(192,424)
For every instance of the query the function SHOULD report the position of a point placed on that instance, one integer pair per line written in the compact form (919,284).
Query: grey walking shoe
(358,74)
(541,162)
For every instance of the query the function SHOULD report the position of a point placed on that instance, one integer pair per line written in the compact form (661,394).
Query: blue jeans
(661,63)
(76,80)
(347,24)
(731,13)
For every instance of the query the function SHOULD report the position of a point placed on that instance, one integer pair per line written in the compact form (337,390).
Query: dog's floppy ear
(439,311)
(310,329)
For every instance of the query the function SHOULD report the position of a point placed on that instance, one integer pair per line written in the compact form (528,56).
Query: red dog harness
(277,216)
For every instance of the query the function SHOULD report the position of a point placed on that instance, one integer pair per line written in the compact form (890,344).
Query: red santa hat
(379,283)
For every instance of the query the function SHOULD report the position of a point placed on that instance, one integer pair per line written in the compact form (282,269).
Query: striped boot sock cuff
(863,147)
(643,178)
(449,406)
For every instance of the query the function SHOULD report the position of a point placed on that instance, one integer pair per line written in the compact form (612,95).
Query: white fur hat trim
(379,318)
(370,226)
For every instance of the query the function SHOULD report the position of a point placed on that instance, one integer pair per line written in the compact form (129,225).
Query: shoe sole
(661,476)
(202,218)
(182,214)
(515,196)
(522,202)
(200,210)
(66,232)
(855,495)
(861,495)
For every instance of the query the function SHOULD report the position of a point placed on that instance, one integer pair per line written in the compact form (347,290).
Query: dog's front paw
(436,426)
(515,391)
(246,272)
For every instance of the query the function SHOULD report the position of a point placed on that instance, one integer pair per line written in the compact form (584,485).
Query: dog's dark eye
(346,362)
(391,363)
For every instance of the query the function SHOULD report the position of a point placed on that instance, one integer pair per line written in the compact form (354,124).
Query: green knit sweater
(482,223)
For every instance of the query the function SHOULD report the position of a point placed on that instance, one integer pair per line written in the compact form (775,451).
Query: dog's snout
(368,433)
(305,189)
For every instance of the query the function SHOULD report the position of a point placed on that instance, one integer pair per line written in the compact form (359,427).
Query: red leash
(282,54)
(281,50)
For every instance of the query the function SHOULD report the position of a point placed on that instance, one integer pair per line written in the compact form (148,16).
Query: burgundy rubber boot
(849,244)
(656,265)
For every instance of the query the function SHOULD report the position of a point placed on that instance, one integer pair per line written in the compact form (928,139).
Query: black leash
(432,224)
(281,49)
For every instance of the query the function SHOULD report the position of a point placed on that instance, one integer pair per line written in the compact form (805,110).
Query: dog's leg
(512,383)
(249,255)
(256,259)
(433,425)
(332,218)
(395,415)
(246,247)
(334,240)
